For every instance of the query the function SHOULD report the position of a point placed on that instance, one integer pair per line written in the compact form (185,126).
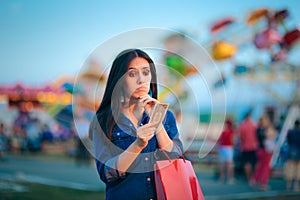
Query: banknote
(159,112)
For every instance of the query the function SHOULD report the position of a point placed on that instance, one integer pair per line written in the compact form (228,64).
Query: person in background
(248,145)
(3,141)
(266,134)
(125,142)
(292,164)
(226,144)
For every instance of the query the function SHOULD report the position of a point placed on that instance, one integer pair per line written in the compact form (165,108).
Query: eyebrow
(131,67)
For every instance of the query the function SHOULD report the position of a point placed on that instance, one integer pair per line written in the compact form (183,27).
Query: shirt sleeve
(106,155)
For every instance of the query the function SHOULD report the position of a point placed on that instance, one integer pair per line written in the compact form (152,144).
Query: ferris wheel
(269,38)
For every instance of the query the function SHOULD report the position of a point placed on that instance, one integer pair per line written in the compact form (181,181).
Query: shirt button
(130,125)
(148,179)
(118,134)
(146,158)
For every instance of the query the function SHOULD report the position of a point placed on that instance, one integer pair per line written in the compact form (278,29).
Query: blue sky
(41,40)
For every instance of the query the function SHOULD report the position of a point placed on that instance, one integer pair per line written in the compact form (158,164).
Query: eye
(146,72)
(131,73)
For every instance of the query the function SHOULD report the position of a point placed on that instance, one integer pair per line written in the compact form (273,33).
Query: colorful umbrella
(178,64)
(221,24)
(267,38)
(279,18)
(222,50)
(281,15)
(281,55)
(291,38)
(256,15)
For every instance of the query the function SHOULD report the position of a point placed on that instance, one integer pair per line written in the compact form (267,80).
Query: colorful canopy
(221,24)
(177,65)
(223,50)
(256,15)
(291,38)
(267,38)
(281,15)
(280,55)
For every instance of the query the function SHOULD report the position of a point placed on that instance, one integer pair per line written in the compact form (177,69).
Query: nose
(141,78)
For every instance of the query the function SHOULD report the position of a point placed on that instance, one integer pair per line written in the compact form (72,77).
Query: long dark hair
(112,94)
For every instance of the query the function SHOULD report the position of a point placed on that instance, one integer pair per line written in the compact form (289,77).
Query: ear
(122,97)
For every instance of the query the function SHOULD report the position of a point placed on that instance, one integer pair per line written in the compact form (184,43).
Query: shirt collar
(124,122)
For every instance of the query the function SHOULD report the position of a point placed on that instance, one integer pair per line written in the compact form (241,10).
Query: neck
(134,110)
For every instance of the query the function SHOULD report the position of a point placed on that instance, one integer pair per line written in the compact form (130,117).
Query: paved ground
(67,173)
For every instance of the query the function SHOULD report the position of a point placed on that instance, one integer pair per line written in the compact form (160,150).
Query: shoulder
(253,123)
(291,133)
(170,115)
(169,118)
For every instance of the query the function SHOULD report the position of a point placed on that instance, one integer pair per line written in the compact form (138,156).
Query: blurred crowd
(244,148)
(28,133)
(247,148)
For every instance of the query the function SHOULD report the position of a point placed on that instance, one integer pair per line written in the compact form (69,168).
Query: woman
(226,144)
(125,143)
(266,135)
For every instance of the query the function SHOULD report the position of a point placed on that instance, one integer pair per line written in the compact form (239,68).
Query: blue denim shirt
(137,183)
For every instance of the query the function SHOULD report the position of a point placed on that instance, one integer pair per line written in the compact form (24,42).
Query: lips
(142,89)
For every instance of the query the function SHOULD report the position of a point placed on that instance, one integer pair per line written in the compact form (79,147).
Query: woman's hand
(148,103)
(144,134)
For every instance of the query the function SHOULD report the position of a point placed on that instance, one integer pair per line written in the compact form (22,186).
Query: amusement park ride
(269,38)
(273,38)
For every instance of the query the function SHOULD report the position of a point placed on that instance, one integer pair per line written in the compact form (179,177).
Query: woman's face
(265,122)
(137,78)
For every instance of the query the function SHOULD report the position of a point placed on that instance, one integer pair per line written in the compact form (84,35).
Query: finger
(146,137)
(149,125)
(147,99)
(147,131)
(151,101)
(148,109)
(143,98)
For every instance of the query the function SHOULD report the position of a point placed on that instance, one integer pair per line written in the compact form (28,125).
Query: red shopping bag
(176,180)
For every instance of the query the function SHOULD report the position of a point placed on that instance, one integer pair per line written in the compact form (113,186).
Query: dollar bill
(158,113)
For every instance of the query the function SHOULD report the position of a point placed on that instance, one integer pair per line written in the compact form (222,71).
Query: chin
(139,94)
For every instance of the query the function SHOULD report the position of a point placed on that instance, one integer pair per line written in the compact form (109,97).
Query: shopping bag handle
(165,153)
